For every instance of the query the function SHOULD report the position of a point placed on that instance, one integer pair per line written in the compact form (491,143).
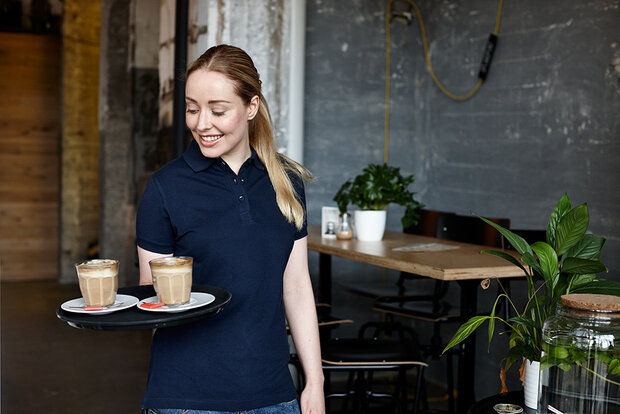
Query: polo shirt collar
(255,160)
(198,162)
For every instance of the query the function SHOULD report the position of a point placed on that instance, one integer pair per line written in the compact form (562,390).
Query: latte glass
(98,281)
(172,279)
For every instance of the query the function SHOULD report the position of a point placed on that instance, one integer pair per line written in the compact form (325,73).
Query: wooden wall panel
(29,156)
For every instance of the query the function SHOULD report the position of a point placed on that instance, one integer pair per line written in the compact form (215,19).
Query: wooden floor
(50,367)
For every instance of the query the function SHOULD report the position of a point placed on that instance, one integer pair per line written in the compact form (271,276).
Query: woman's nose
(204,120)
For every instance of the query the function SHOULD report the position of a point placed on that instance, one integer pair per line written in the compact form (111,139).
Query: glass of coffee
(172,279)
(98,281)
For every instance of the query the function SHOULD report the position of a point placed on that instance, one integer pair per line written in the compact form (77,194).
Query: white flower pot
(370,224)
(530,383)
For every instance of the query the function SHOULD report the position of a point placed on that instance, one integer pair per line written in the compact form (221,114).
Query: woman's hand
(312,399)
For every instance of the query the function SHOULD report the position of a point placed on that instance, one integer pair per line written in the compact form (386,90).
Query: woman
(238,208)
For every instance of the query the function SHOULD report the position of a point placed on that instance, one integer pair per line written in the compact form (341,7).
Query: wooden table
(464,265)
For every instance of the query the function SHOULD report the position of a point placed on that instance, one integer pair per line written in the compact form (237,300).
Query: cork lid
(590,301)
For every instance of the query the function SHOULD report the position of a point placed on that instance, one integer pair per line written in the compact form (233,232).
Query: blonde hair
(237,65)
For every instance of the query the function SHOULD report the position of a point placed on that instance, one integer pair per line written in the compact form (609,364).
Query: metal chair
(327,322)
(361,358)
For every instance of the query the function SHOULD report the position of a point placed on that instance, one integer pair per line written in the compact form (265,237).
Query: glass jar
(345,227)
(580,363)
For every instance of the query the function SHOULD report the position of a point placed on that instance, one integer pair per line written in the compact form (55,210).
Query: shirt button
(241,198)
(235,180)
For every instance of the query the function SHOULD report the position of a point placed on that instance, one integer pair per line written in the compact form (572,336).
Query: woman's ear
(253,107)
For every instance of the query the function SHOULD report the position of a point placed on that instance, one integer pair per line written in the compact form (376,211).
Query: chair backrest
(458,227)
(471,229)
(432,223)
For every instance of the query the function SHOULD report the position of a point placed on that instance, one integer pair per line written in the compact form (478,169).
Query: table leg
(325,278)
(467,361)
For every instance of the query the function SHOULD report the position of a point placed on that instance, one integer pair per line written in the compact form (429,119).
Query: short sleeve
(298,186)
(154,230)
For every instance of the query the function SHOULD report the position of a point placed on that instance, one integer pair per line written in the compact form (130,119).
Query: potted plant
(377,186)
(566,263)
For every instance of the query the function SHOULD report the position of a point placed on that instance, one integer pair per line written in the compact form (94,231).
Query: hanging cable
(482,74)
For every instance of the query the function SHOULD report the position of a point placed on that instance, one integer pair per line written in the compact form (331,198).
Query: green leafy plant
(566,263)
(566,356)
(378,186)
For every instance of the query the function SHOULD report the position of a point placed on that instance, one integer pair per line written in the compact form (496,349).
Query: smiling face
(218,117)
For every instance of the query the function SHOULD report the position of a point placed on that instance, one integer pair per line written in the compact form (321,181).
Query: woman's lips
(210,140)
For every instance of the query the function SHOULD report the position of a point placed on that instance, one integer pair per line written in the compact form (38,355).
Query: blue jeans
(291,407)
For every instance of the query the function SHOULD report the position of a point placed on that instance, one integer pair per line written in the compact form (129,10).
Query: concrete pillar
(128,122)
(145,80)
(115,129)
(79,216)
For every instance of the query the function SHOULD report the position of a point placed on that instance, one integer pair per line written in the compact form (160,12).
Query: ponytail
(279,167)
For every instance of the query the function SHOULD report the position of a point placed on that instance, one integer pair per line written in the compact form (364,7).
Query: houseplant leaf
(523,321)
(412,214)
(343,197)
(600,286)
(506,257)
(522,350)
(529,259)
(517,241)
(582,266)
(577,281)
(571,229)
(548,263)
(561,208)
(466,329)
(589,247)
(377,186)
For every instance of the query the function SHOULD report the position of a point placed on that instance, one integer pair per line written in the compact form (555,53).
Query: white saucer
(122,302)
(196,300)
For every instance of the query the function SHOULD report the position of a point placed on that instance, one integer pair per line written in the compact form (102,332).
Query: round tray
(137,319)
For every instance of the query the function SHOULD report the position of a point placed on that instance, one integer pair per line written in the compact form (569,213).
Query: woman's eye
(217,113)
(191,111)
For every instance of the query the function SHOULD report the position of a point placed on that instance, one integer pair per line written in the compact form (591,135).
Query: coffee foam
(171,261)
(168,269)
(96,272)
(98,268)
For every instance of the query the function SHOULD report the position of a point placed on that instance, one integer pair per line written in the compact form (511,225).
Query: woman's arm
(301,315)
(144,256)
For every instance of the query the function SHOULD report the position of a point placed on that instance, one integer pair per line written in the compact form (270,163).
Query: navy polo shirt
(232,227)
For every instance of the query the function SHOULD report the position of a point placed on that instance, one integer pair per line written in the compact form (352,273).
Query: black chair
(361,358)
(327,322)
